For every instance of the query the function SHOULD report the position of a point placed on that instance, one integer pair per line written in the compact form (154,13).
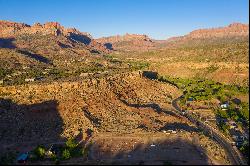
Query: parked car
(22,158)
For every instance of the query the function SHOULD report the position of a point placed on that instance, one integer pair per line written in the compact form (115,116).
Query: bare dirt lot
(182,148)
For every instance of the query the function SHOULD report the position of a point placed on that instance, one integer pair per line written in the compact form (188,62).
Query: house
(184,112)
(22,158)
(29,79)
(224,106)
(172,131)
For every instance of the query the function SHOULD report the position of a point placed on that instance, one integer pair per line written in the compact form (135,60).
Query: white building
(29,79)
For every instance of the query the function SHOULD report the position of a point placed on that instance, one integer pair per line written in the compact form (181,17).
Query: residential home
(29,79)
(224,106)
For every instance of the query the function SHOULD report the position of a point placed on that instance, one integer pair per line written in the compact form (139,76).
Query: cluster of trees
(138,65)
(203,89)
(71,149)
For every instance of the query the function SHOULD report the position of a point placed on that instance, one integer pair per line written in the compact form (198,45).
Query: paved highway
(233,153)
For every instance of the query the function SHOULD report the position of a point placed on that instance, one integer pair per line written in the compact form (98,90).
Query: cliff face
(135,42)
(233,30)
(13,30)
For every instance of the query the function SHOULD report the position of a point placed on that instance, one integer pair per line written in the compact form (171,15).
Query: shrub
(66,154)
(71,144)
(40,152)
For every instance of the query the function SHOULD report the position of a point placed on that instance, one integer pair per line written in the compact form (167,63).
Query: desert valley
(69,98)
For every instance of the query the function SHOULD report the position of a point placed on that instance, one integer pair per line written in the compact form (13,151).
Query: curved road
(234,155)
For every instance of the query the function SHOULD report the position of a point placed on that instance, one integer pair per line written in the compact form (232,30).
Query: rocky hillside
(31,51)
(230,33)
(125,103)
(135,42)
(12,32)
(128,42)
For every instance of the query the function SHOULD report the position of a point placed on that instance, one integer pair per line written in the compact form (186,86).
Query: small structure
(48,154)
(29,79)
(232,124)
(190,99)
(1,82)
(183,112)
(172,131)
(22,158)
(224,106)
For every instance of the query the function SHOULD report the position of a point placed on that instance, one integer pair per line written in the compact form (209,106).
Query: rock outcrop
(128,42)
(12,30)
(233,30)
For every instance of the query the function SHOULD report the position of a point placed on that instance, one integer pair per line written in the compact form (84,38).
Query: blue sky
(159,19)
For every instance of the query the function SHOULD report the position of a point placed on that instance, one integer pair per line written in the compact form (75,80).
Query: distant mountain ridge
(232,30)
(10,29)
(128,41)
(137,42)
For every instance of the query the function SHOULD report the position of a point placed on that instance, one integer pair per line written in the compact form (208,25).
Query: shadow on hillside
(7,43)
(63,45)
(109,46)
(80,38)
(154,106)
(150,74)
(29,125)
(158,152)
(95,51)
(94,120)
(37,57)
(179,126)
